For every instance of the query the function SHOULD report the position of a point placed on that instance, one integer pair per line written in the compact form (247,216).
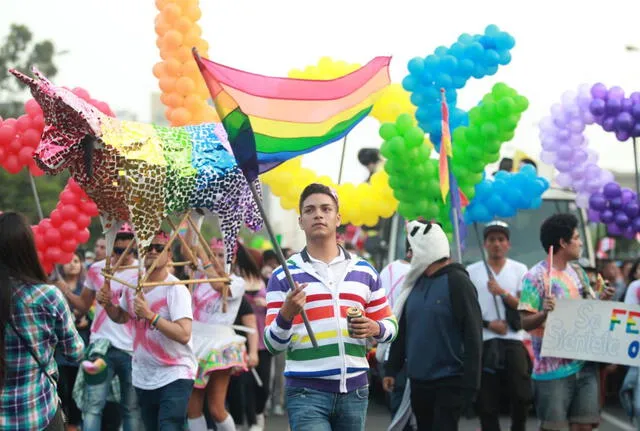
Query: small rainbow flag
(270,120)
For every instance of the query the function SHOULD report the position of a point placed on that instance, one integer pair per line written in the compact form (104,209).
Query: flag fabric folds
(270,120)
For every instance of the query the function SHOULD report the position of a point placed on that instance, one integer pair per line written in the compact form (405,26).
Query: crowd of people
(81,350)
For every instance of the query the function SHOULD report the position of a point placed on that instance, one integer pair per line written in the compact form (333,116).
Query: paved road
(378,420)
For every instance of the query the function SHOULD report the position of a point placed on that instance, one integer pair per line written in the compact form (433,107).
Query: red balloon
(82,236)
(68,197)
(37,122)
(68,229)
(35,170)
(83,220)
(90,208)
(7,133)
(41,245)
(56,218)
(52,237)
(25,155)
(65,257)
(74,187)
(69,212)
(12,164)
(10,122)
(32,108)
(23,123)
(69,245)
(14,146)
(3,154)
(52,255)
(31,138)
(44,225)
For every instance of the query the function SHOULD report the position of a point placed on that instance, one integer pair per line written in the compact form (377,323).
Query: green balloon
(507,136)
(522,103)
(431,210)
(506,107)
(388,131)
(396,146)
(414,137)
(500,90)
(403,123)
(432,188)
(475,117)
(385,150)
(490,111)
(474,152)
(489,131)
(492,145)
(491,157)
(488,99)
(473,134)
(430,168)
(458,133)
(509,123)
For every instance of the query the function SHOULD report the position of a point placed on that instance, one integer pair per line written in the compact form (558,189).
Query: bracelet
(207,266)
(155,319)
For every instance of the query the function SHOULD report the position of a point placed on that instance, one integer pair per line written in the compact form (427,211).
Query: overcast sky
(559,45)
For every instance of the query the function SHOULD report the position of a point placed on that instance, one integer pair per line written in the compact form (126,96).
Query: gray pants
(277,393)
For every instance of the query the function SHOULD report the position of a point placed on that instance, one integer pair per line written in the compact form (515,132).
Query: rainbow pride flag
(270,120)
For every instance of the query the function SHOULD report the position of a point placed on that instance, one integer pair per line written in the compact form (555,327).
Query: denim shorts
(572,399)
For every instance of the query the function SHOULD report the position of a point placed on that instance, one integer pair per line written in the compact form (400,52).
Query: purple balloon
(607,216)
(627,105)
(636,130)
(599,91)
(632,209)
(597,202)
(580,156)
(616,93)
(622,135)
(613,229)
(615,203)
(563,135)
(621,219)
(564,152)
(627,195)
(576,125)
(593,216)
(629,232)
(609,124)
(624,121)
(592,170)
(636,224)
(614,106)
(635,96)
(635,110)
(564,165)
(597,107)
(611,190)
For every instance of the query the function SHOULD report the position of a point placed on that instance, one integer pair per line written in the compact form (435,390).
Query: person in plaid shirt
(39,312)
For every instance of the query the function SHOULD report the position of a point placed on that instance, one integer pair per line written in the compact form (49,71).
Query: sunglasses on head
(157,247)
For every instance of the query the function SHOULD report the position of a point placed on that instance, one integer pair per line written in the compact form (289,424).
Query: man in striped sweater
(326,387)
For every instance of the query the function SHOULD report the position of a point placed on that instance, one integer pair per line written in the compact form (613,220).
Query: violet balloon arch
(565,146)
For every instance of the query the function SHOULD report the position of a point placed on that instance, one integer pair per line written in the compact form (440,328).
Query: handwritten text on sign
(600,331)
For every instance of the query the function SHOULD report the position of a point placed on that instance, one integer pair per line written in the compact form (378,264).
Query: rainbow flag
(270,120)
(445,148)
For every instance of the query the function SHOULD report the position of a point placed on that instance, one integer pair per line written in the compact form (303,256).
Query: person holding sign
(505,359)
(565,390)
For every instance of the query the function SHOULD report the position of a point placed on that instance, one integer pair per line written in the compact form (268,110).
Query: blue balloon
(416,66)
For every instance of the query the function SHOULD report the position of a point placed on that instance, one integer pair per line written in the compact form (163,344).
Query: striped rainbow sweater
(339,363)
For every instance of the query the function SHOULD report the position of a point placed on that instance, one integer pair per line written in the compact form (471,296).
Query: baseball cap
(496,226)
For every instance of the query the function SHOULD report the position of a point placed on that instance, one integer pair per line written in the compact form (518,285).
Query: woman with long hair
(218,348)
(71,281)
(247,399)
(34,320)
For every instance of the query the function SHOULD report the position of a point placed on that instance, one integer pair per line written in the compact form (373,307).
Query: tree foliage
(21,52)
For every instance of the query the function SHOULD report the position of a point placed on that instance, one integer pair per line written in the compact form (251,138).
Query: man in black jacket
(440,333)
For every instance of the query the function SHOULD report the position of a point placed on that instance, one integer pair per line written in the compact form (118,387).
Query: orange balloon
(172,40)
(180,117)
(161,26)
(161,4)
(183,24)
(184,54)
(193,13)
(159,70)
(173,100)
(191,38)
(159,42)
(202,46)
(171,12)
(172,67)
(185,85)
(192,101)
(189,68)
(167,84)
(211,115)
(166,54)
(184,4)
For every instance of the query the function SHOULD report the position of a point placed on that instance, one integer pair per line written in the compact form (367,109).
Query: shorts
(572,399)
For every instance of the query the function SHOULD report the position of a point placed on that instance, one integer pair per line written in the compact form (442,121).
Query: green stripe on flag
(234,123)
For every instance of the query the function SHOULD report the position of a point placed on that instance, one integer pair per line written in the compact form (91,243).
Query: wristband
(154,322)
(207,265)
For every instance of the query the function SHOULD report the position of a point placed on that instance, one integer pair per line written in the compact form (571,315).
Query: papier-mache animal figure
(142,173)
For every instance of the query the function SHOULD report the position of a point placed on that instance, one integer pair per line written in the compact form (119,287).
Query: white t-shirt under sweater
(120,336)
(392,278)
(510,279)
(158,360)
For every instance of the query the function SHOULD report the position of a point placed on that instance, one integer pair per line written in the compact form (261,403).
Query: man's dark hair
(555,228)
(268,255)
(367,156)
(316,188)
(529,162)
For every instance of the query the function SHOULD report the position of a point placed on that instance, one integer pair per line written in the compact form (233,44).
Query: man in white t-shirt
(164,365)
(392,276)
(118,357)
(505,361)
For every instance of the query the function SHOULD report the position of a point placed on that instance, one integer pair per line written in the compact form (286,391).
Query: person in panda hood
(440,335)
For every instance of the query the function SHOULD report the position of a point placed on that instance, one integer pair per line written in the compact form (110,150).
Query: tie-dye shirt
(566,284)
(120,336)
(158,360)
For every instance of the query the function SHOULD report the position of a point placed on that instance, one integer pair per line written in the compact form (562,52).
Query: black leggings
(245,398)
(66,381)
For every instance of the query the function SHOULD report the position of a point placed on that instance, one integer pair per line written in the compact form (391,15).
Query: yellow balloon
(393,102)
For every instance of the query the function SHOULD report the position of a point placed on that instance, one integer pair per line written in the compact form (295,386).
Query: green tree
(19,51)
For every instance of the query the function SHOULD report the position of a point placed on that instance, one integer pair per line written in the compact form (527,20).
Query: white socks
(198,424)
(226,425)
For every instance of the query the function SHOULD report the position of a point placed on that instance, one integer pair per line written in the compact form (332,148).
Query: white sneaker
(255,427)
(260,420)
(278,410)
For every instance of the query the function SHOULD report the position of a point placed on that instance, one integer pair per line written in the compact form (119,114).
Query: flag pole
(456,232)
(36,197)
(344,150)
(281,259)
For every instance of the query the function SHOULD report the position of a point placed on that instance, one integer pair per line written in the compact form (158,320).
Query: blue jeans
(95,396)
(165,408)
(313,410)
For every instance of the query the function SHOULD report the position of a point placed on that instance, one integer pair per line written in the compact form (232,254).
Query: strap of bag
(33,354)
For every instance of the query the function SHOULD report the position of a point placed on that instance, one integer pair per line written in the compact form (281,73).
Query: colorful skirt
(217,347)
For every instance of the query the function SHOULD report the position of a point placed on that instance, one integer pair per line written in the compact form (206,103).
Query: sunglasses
(157,247)
(119,250)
